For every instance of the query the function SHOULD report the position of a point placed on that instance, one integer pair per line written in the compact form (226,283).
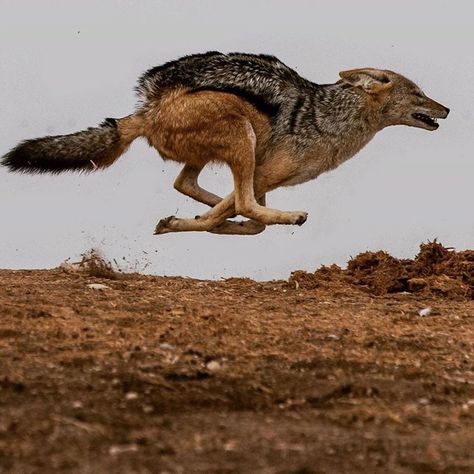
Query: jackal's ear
(373,81)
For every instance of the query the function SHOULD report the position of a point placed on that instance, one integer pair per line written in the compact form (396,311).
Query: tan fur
(182,125)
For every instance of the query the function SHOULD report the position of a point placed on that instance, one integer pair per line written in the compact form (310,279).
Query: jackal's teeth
(425,118)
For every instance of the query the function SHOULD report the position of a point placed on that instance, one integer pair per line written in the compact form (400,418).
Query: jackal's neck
(329,113)
(327,126)
(345,110)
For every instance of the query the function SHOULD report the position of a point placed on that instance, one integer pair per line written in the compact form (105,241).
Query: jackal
(271,126)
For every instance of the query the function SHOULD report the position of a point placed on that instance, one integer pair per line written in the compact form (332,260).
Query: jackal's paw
(300,218)
(163,226)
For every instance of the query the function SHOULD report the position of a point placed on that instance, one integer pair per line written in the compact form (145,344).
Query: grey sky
(65,65)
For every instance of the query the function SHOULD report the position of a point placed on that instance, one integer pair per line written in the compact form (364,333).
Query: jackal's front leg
(239,228)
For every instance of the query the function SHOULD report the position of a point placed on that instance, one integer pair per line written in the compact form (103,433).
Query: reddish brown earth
(331,372)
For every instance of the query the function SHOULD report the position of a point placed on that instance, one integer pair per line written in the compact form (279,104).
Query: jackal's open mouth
(431,121)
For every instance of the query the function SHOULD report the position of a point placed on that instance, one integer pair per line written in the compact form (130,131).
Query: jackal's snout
(413,107)
(427,113)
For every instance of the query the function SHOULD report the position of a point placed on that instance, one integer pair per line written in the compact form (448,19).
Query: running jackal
(268,124)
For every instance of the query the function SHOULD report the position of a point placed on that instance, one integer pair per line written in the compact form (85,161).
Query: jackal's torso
(320,126)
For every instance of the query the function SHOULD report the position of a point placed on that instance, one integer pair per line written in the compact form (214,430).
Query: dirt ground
(335,371)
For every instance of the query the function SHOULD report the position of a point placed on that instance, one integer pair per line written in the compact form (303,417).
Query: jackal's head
(397,100)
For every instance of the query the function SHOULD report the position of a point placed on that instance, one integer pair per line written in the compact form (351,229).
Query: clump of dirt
(92,264)
(435,270)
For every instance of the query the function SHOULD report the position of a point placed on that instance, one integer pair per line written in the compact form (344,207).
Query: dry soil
(329,372)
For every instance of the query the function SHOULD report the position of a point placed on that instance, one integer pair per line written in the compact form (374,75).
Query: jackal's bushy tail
(88,150)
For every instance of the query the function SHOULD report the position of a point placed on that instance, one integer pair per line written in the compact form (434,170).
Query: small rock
(167,347)
(425,311)
(230,445)
(131,396)
(77,404)
(126,448)
(213,366)
(97,286)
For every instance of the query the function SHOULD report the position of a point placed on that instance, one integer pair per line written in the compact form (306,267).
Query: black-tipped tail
(88,150)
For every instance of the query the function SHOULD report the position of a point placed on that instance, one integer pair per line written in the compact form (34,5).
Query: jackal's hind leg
(187,184)
(215,216)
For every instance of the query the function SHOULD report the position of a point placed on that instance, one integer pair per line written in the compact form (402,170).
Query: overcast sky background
(66,65)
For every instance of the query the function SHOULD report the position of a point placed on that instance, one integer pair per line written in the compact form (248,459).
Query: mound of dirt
(435,270)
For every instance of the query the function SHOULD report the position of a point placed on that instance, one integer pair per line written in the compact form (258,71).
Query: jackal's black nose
(447,111)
